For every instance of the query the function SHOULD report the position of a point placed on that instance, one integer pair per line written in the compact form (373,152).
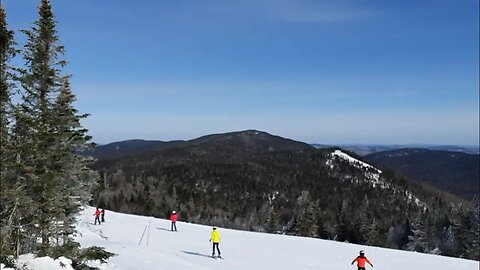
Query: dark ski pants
(103,217)
(97,219)
(174,225)
(213,251)
(361,268)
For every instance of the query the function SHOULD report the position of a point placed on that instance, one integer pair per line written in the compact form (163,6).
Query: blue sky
(332,72)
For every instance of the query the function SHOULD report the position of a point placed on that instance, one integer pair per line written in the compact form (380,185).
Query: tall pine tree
(7,206)
(40,81)
(12,189)
(49,124)
(305,216)
(417,239)
(77,178)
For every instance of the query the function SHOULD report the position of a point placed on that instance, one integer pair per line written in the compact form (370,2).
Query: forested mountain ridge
(366,149)
(244,141)
(454,172)
(130,147)
(240,180)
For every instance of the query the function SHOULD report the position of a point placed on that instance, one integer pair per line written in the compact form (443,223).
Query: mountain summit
(251,141)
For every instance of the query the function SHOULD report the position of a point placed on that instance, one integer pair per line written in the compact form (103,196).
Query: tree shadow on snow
(163,229)
(195,253)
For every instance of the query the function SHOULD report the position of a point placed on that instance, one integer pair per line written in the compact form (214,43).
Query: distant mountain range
(256,181)
(454,172)
(365,149)
(454,169)
(129,147)
(243,141)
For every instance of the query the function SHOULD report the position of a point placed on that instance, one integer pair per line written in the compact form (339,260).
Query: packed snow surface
(28,261)
(189,248)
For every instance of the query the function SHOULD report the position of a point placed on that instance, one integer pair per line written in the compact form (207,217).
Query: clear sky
(332,72)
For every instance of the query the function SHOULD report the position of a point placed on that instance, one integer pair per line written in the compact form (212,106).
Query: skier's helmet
(362,252)
(173,212)
(214,227)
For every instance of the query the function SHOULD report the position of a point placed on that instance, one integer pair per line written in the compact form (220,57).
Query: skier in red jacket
(173,218)
(361,260)
(97,216)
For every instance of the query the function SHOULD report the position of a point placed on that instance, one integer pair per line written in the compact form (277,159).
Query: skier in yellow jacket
(215,238)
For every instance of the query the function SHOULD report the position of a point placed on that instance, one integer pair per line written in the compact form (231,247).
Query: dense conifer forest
(227,181)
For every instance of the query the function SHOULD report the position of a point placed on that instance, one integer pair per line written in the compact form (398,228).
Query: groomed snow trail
(190,249)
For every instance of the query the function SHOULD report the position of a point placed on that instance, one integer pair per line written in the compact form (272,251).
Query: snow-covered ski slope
(189,248)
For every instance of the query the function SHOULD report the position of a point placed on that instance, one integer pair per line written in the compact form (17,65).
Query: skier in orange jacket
(97,216)
(361,260)
(173,218)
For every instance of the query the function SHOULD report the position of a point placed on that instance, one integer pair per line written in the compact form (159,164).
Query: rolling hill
(454,172)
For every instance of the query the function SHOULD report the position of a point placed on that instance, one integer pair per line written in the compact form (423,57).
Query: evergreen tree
(342,228)
(449,242)
(418,240)
(308,222)
(360,224)
(407,231)
(6,40)
(376,236)
(6,52)
(15,206)
(472,250)
(272,220)
(7,207)
(321,225)
(466,229)
(40,82)
(43,181)
(48,123)
(305,216)
(77,178)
